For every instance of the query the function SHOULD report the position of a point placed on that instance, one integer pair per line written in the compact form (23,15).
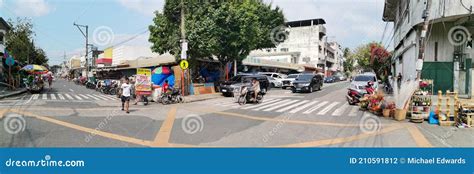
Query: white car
(277,78)
(360,81)
(288,81)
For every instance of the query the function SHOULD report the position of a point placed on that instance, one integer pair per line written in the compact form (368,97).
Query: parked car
(330,79)
(277,76)
(288,81)
(340,77)
(307,83)
(360,81)
(228,87)
(274,83)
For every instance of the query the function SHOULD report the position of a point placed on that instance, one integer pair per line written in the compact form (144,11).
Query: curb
(13,93)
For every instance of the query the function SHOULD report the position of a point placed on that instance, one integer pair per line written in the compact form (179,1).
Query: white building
(447,52)
(305,44)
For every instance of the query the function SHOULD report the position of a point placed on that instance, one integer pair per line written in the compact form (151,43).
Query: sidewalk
(202,97)
(4,92)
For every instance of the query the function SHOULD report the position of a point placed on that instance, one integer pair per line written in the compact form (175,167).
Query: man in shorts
(126,92)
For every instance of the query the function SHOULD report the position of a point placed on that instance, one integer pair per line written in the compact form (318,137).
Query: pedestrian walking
(50,80)
(126,92)
(399,80)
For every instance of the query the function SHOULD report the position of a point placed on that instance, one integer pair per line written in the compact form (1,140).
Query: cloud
(145,7)
(347,21)
(32,8)
(1,3)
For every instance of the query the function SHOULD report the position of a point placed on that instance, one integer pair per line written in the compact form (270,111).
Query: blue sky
(349,22)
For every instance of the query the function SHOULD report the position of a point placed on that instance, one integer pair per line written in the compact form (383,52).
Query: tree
(20,45)
(373,57)
(227,30)
(349,62)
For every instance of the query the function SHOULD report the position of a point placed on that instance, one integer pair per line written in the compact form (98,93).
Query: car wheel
(293,90)
(319,87)
(310,89)
(283,87)
(272,85)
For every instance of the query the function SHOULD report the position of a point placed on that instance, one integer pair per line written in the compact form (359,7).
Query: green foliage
(349,62)
(20,45)
(373,57)
(228,30)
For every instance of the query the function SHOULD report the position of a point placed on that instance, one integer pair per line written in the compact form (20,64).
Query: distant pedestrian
(126,91)
(50,80)
(399,80)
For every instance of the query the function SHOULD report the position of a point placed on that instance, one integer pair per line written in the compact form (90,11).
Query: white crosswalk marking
(61,97)
(98,96)
(315,107)
(328,108)
(45,97)
(271,105)
(340,110)
(264,103)
(83,96)
(68,96)
(281,105)
(53,97)
(353,112)
(35,96)
(292,106)
(109,97)
(79,98)
(303,107)
(91,96)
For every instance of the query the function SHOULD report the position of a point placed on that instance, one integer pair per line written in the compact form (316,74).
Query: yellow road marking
(419,138)
(342,139)
(88,130)
(163,135)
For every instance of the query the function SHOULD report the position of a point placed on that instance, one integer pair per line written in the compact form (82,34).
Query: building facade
(446,41)
(305,44)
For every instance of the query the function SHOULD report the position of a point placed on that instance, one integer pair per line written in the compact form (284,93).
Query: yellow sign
(144,71)
(184,64)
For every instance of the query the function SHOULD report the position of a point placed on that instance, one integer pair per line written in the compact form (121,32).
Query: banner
(144,71)
(142,83)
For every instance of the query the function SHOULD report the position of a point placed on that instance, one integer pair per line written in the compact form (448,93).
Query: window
(436,52)
(1,38)
(284,49)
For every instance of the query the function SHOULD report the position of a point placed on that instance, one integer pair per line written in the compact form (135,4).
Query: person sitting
(255,88)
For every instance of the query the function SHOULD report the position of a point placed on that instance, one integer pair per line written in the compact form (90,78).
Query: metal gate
(442,74)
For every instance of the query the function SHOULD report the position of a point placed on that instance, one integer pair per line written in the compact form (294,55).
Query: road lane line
(281,105)
(68,96)
(91,96)
(61,97)
(271,105)
(315,107)
(353,112)
(53,97)
(264,103)
(83,96)
(418,137)
(340,110)
(163,136)
(303,107)
(328,108)
(44,97)
(293,106)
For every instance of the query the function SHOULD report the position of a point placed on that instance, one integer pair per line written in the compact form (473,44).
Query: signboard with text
(144,71)
(142,83)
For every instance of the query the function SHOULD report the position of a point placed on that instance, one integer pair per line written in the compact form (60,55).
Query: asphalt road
(69,115)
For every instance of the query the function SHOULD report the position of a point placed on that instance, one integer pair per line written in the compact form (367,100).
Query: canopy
(35,69)
(161,70)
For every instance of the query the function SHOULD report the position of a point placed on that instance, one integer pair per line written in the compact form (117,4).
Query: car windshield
(247,79)
(304,77)
(363,78)
(292,76)
(236,78)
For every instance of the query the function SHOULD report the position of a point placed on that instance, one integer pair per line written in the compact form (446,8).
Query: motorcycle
(90,85)
(353,96)
(246,95)
(173,97)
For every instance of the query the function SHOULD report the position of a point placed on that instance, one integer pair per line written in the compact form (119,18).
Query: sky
(111,22)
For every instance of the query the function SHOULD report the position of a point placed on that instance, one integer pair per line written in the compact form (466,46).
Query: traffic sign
(184,64)
(10,61)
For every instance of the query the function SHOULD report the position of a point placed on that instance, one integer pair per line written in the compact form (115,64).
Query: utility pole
(86,35)
(184,49)
(424,31)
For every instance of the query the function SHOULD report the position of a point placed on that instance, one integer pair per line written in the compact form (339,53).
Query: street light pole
(86,35)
